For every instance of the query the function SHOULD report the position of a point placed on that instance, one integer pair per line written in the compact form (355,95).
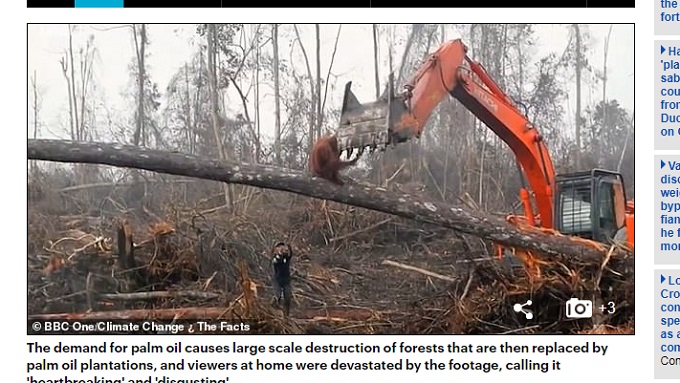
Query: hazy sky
(171,46)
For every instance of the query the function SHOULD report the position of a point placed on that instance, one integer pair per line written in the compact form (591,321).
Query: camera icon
(579,308)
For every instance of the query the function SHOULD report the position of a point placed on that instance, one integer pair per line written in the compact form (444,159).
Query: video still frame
(331,179)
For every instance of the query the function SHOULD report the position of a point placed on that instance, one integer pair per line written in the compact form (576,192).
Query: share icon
(520,308)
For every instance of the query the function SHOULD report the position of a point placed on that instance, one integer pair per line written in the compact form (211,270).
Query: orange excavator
(591,204)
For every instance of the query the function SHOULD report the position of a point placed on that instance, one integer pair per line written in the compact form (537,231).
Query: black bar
(301,4)
(516,4)
(50,3)
(333,4)
(179,4)
(611,3)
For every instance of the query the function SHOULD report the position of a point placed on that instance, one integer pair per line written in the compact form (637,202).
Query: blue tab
(99,3)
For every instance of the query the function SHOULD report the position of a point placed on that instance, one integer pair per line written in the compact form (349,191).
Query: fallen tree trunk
(367,196)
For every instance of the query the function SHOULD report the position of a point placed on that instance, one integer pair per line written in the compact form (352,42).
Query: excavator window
(575,204)
(606,211)
(619,205)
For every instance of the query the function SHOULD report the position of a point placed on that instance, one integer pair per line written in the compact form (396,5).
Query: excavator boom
(396,118)
(587,204)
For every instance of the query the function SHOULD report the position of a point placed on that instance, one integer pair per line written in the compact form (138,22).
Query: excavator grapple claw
(371,125)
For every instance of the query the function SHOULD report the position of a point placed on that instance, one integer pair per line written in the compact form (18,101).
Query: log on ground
(358,194)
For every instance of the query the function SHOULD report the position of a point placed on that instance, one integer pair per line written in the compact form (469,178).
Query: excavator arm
(396,118)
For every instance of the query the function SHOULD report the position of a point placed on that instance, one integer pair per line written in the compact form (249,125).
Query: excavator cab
(592,205)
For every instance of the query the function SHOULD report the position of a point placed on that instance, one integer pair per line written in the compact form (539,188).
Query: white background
(629,357)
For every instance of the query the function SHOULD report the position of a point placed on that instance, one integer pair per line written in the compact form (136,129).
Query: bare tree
(67,63)
(246,47)
(277,96)
(258,140)
(139,38)
(214,105)
(376,61)
(189,122)
(328,74)
(78,90)
(318,81)
(36,104)
(604,77)
(36,110)
(312,118)
(73,81)
(578,67)
(186,96)
(604,69)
